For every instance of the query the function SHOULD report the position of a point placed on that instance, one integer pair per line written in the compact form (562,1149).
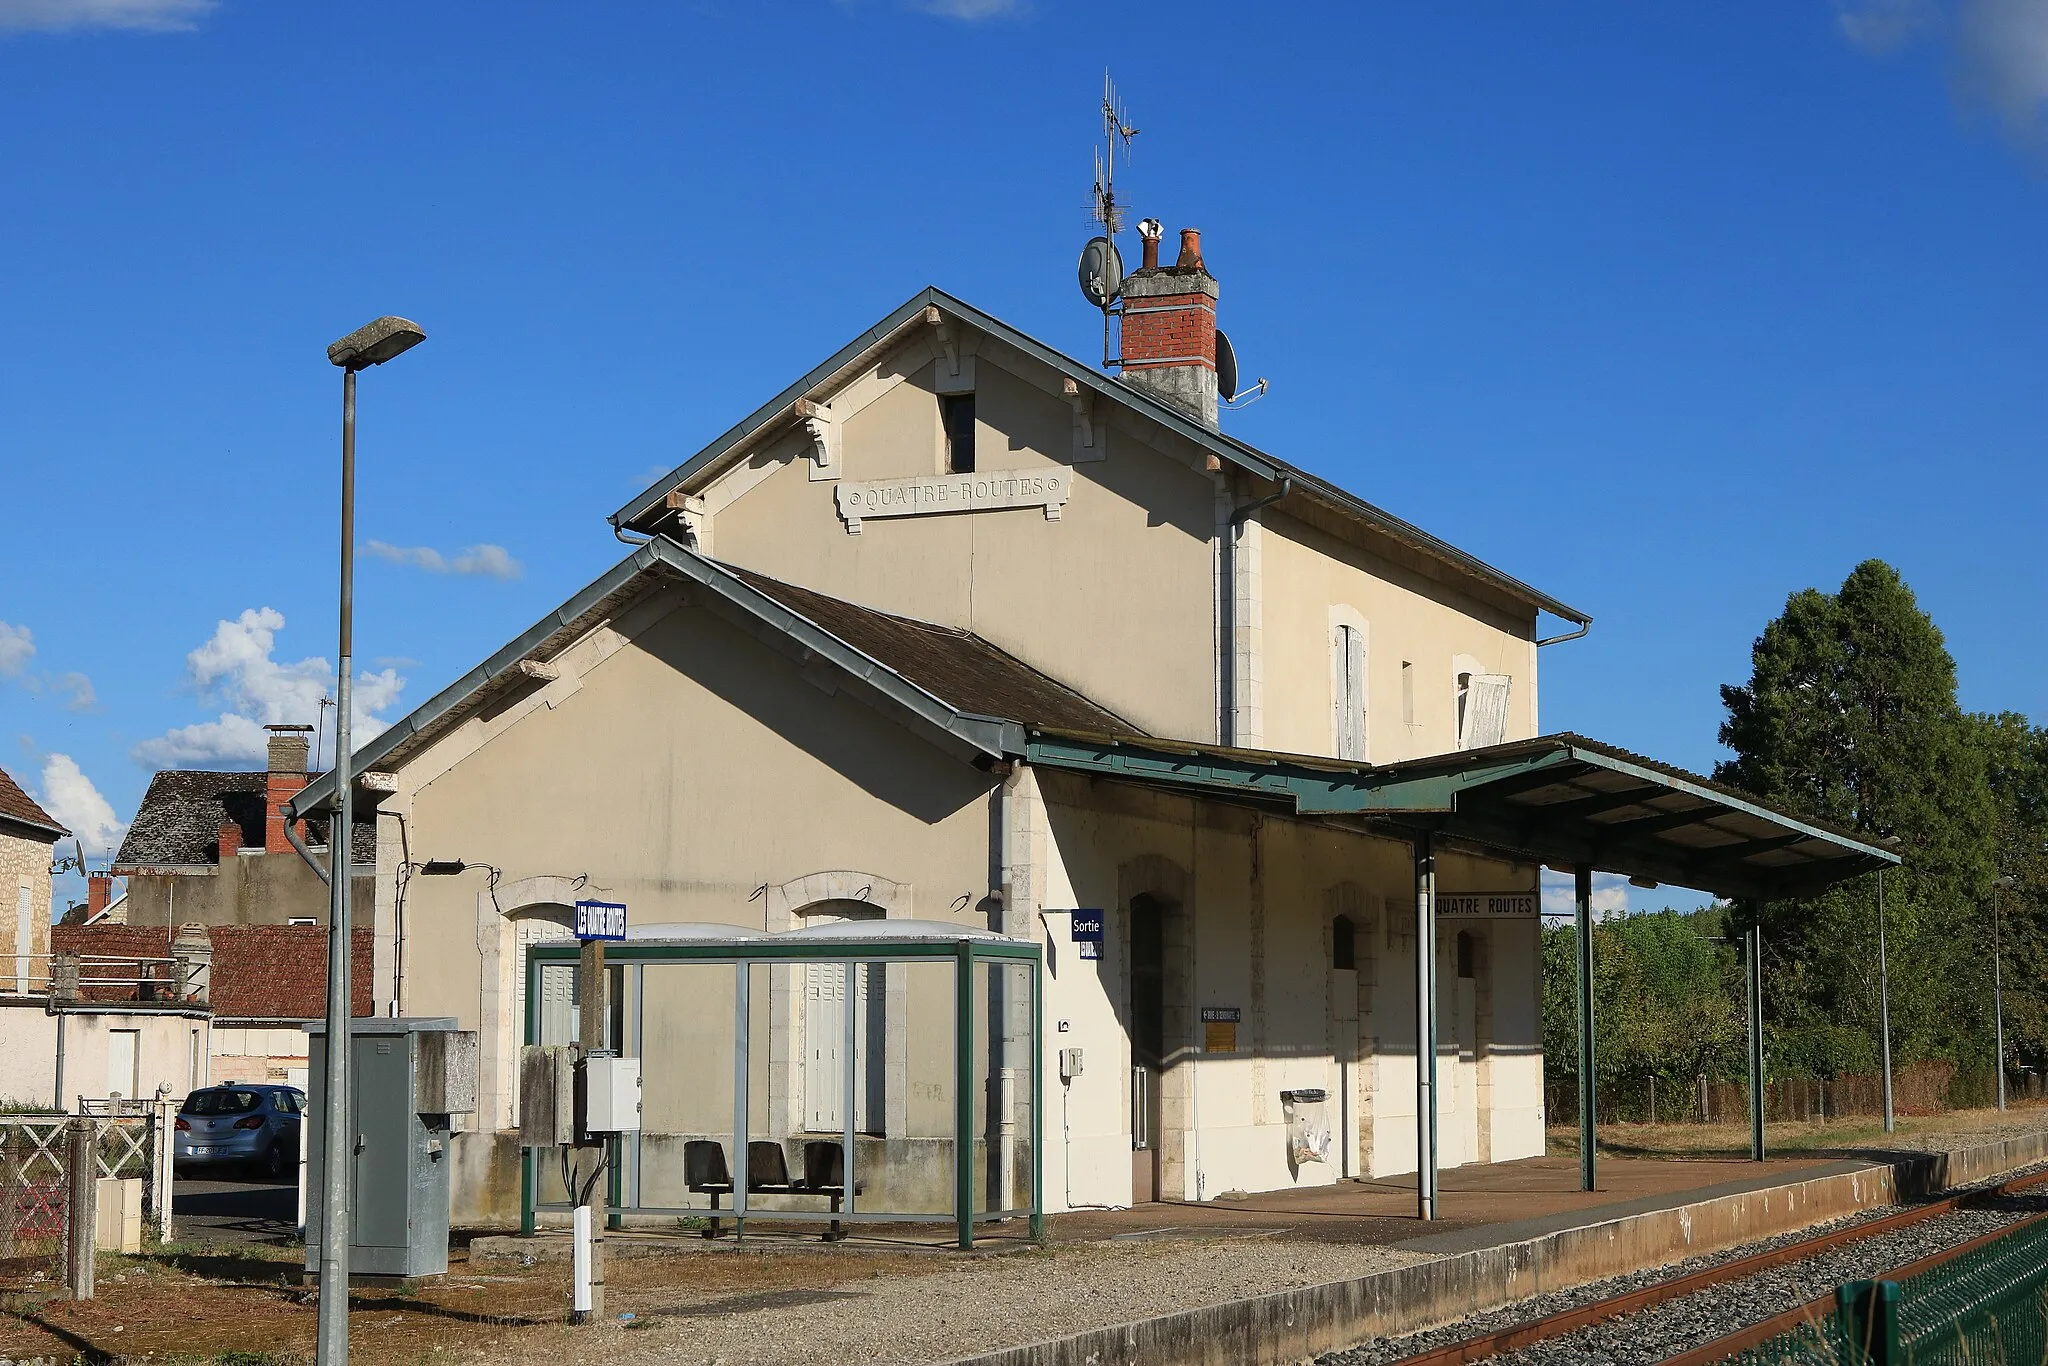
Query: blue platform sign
(1085,928)
(601,920)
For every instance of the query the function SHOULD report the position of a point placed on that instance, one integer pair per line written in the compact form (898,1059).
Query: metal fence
(1983,1307)
(1925,1088)
(35,1194)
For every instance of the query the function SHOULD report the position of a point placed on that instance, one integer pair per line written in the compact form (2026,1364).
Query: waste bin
(1308,1125)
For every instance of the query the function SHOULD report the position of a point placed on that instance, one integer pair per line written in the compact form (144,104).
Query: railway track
(1677,1320)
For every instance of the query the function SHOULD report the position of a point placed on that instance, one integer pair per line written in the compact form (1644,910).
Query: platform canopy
(1559,799)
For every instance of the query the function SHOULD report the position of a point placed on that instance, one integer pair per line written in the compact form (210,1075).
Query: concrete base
(1280,1329)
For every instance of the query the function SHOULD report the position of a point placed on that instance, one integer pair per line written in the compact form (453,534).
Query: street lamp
(372,344)
(1998,890)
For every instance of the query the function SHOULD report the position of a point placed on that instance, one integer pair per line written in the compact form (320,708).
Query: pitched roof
(954,665)
(179,821)
(19,810)
(260,972)
(967,690)
(1329,503)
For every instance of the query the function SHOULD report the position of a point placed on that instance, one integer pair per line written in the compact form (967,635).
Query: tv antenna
(1102,266)
(1116,132)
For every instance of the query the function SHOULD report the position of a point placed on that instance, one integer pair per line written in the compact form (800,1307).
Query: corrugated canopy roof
(1557,799)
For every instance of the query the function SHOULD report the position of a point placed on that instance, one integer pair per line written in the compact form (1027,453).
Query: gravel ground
(964,1308)
(1652,1335)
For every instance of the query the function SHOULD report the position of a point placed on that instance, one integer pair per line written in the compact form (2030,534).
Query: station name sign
(601,920)
(1486,903)
(983,491)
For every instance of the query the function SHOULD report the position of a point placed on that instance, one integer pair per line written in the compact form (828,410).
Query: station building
(960,631)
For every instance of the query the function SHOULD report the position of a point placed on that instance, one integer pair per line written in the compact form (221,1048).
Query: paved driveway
(205,1210)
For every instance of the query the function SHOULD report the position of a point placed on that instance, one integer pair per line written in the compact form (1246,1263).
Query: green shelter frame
(874,943)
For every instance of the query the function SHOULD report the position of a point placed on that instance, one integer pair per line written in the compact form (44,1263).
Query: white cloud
(153,16)
(235,666)
(970,10)
(1610,895)
(81,696)
(490,561)
(70,796)
(1998,49)
(17,648)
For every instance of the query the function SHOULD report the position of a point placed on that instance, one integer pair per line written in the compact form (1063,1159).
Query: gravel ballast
(1651,1335)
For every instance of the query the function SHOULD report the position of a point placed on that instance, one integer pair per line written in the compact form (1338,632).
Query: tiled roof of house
(260,972)
(181,815)
(19,809)
(955,666)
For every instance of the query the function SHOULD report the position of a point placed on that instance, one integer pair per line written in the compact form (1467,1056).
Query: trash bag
(1308,1125)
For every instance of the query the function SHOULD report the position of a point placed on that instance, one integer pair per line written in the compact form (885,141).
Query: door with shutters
(825,1005)
(557,980)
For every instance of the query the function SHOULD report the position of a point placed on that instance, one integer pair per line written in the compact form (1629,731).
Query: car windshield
(222,1102)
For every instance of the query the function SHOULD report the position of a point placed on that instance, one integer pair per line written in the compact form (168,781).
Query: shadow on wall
(867,748)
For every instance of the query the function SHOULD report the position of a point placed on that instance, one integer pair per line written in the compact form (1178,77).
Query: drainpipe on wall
(1227,732)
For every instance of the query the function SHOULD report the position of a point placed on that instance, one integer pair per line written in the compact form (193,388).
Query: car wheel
(273,1162)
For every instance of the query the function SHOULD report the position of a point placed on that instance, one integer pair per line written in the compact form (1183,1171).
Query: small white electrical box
(1070,1063)
(611,1095)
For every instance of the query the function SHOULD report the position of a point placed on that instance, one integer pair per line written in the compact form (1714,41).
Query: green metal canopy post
(1754,952)
(1582,904)
(963,1093)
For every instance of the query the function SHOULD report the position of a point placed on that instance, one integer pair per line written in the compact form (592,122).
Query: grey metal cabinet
(406,1077)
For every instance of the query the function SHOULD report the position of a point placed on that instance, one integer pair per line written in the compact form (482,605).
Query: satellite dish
(1102,272)
(1226,366)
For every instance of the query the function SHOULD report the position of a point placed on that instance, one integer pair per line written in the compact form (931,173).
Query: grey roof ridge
(983,735)
(1229,448)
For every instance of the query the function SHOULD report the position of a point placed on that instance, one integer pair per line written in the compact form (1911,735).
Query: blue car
(241,1124)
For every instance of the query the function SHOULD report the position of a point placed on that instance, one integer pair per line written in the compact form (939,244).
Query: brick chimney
(99,890)
(230,840)
(1169,332)
(288,747)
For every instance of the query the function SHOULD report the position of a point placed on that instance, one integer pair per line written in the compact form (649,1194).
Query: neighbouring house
(210,848)
(959,634)
(177,1009)
(26,834)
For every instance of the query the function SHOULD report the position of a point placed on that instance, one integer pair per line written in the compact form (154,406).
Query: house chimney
(288,746)
(99,890)
(230,840)
(1169,335)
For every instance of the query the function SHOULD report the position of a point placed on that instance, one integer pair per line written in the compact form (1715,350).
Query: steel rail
(1814,1311)
(1585,1315)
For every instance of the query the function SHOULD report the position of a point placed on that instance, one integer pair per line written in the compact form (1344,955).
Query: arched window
(1343,944)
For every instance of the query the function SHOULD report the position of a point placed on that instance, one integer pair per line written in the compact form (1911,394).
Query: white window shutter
(1347,691)
(1486,710)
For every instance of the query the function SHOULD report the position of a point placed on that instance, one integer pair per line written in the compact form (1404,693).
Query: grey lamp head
(2006,883)
(374,343)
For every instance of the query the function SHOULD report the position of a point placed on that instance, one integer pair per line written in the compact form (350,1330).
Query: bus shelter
(850,1072)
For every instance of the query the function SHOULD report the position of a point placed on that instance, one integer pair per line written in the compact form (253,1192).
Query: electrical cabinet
(611,1095)
(406,1076)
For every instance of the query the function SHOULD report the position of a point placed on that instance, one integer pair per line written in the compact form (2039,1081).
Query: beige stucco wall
(24,868)
(1408,617)
(1116,598)
(30,1040)
(255,887)
(1259,894)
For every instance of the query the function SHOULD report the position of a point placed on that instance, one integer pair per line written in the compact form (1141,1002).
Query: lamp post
(1884,1009)
(1998,891)
(372,344)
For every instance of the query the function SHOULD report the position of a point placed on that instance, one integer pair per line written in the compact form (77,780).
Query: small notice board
(1086,932)
(601,920)
(1219,1028)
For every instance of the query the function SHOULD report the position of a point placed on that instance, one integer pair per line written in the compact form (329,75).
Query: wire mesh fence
(1925,1088)
(35,1194)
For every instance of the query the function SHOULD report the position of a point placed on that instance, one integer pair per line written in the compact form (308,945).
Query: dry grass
(1850,1134)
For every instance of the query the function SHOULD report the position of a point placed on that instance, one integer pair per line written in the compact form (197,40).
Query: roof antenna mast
(1102,267)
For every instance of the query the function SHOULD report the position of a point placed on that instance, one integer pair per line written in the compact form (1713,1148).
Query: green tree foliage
(1667,999)
(1850,715)
(2016,766)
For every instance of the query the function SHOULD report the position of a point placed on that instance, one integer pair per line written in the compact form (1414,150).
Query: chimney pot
(1190,249)
(1149,232)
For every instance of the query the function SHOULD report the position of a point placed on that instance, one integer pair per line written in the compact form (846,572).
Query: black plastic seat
(705,1172)
(825,1174)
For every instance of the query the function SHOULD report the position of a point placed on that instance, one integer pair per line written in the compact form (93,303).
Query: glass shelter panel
(683,1156)
(1002,1071)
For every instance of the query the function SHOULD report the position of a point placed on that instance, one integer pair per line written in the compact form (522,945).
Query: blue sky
(1669,310)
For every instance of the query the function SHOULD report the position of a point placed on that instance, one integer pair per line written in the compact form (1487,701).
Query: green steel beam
(963,1094)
